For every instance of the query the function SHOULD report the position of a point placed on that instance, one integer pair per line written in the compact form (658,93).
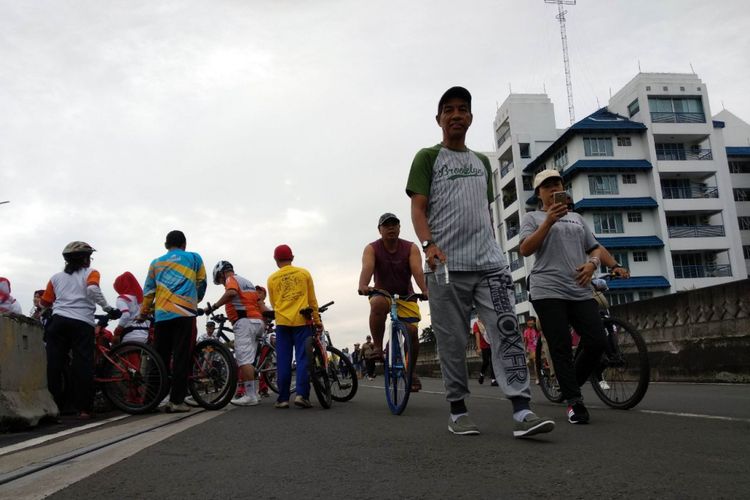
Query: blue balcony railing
(522,296)
(670,117)
(504,169)
(511,232)
(689,192)
(503,137)
(516,264)
(705,271)
(697,231)
(684,154)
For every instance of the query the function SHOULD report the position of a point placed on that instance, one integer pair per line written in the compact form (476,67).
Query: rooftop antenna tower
(566,57)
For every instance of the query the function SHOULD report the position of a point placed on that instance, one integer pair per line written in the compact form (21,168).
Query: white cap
(544,175)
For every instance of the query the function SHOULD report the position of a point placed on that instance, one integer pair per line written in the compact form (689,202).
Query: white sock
(521,414)
(456,417)
(255,387)
(249,390)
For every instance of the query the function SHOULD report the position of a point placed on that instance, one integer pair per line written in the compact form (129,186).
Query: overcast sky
(247,124)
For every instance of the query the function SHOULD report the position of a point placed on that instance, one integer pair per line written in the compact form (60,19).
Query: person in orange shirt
(73,295)
(240,301)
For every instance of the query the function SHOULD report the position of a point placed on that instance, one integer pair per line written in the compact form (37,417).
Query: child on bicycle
(240,301)
(129,300)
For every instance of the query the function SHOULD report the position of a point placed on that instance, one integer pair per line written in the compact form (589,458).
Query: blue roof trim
(631,242)
(640,282)
(644,202)
(606,165)
(738,151)
(719,124)
(601,120)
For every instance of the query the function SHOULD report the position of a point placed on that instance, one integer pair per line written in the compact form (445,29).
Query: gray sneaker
(177,407)
(301,402)
(463,426)
(532,425)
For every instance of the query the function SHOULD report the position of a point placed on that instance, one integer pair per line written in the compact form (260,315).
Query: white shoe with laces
(245,400)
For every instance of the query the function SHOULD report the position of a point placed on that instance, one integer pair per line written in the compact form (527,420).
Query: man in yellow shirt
(290,289)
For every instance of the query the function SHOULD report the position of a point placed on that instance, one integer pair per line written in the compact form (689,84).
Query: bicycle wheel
(270,376)
(344,382)
(212,381)
(622,380)
(545,372)
(134,378)
(318,374)
(397,370)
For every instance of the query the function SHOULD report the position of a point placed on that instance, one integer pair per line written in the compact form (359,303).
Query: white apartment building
(649,174)
(737,141)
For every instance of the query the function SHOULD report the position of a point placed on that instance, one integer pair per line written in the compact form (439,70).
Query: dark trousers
(174,340)
(370,366)
(556,316)
(487,361)
(66,335)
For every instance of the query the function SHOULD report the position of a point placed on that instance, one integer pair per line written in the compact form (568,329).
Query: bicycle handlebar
(379,291)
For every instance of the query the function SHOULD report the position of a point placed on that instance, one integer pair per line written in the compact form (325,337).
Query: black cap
(386,217)
(452,92)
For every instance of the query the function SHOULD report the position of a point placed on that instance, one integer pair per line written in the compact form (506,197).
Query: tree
(427,335)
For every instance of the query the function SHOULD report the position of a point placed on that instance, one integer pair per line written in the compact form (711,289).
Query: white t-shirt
(68,294)
(128,305)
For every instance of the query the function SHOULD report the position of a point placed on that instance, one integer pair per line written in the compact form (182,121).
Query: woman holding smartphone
(567,256)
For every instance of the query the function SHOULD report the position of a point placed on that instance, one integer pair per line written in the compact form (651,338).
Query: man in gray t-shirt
(450,189)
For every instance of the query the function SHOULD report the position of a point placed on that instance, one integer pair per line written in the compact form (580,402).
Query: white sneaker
(245,400)
(604,385)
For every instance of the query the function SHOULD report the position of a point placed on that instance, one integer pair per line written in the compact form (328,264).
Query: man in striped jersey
(450,189)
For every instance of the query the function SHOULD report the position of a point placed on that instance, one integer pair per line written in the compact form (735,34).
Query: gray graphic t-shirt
(565,248)
(457,184)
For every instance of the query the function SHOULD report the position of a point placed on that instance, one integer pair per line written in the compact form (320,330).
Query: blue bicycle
(398,370)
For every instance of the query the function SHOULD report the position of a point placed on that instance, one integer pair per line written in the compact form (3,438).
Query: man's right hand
(556,212)
(433,255)
(364,290)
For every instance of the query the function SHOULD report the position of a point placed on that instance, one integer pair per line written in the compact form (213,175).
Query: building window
(598,146)
(635,217)
(739,167)
(648,87)
(746,251)
(609,222)
(603,184)
(620,298)
(628,179)
(645,295)
(682,89)
(668,151)
(525,149)
(676,109)
(640,256)
(741,194)
(561,158)
(528,183)
(624,141)
(744,223)
(665,89)
(633,107)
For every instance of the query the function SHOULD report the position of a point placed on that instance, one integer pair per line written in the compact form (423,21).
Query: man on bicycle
(291,289)
(393,261)
(450,188)
(240,301)
(175,283)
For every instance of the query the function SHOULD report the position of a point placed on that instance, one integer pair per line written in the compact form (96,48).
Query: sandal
(416,384)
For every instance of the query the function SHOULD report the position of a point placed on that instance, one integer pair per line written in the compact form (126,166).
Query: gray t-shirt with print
(459,189)
(566,247)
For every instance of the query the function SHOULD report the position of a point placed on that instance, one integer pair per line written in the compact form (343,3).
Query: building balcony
(706,271)
(504,169)
(685,155)
(671,117)
(696,231)
(503,137)
(689,192)
(522,297)
(516,264)
(511,232)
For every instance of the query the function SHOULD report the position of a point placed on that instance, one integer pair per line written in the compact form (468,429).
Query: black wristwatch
(426,243)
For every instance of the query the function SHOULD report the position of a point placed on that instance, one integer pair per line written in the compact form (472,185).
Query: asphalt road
(683,441)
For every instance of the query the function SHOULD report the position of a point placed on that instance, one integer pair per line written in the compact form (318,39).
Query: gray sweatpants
(450,309)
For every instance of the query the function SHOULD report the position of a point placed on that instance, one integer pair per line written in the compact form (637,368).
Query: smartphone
(560,197)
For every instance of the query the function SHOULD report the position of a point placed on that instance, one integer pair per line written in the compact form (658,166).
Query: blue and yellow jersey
(176,282)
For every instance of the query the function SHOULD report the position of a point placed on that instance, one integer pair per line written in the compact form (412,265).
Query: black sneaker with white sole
(578,414)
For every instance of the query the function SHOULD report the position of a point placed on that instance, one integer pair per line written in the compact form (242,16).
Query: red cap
(283,252)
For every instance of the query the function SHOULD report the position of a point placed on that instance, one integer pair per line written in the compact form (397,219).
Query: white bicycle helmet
(219,268)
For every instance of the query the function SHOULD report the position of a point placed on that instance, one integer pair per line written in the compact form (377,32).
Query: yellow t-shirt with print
(291,289)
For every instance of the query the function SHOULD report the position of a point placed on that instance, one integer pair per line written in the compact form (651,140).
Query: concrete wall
(24,398)
(701,335)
